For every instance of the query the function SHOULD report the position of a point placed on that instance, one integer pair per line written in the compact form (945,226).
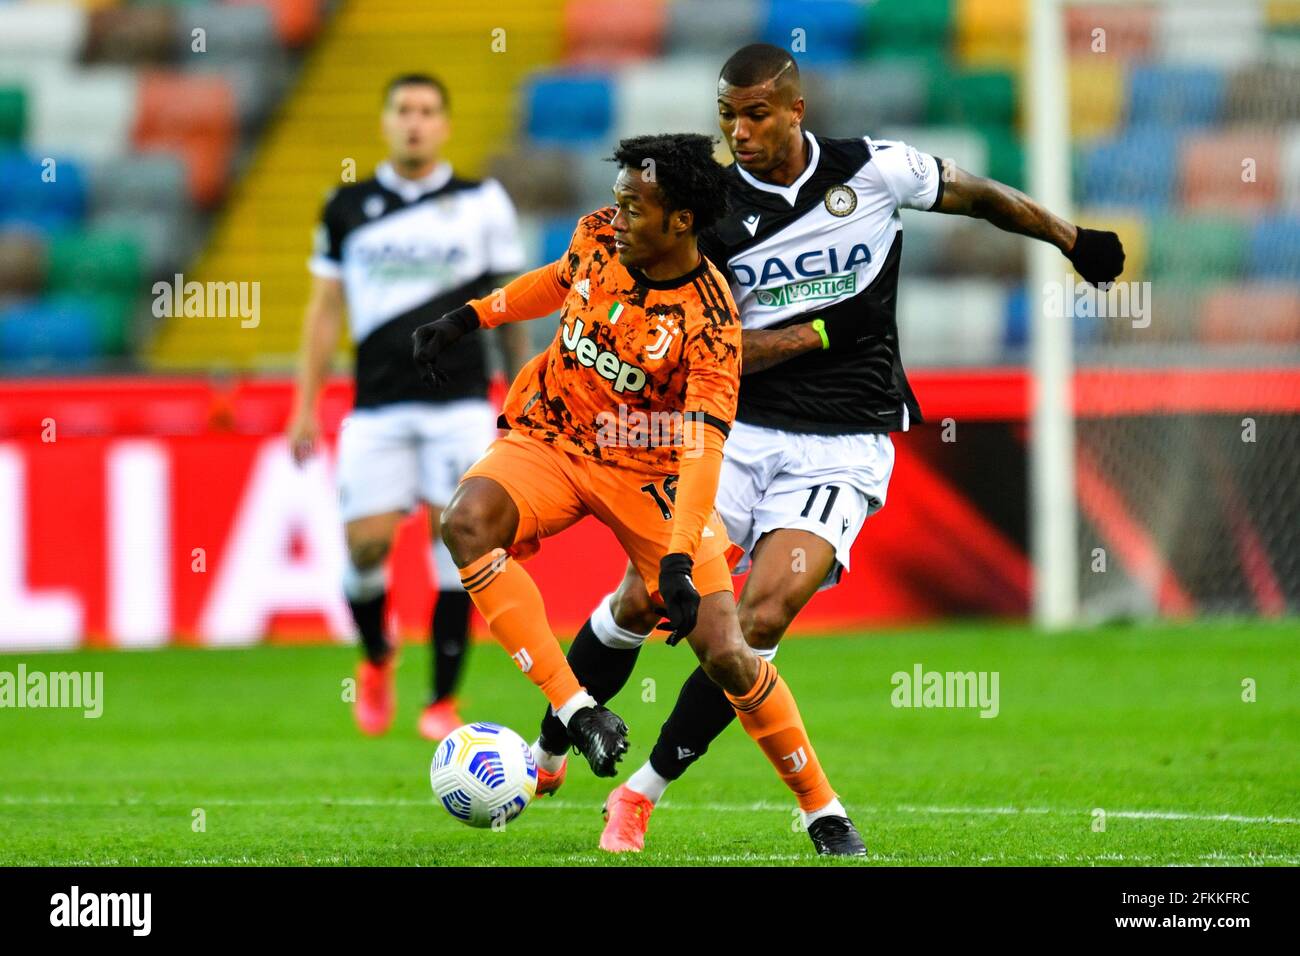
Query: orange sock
(769,714)
(508,599)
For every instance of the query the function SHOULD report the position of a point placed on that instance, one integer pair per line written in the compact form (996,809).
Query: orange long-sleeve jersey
(641,373)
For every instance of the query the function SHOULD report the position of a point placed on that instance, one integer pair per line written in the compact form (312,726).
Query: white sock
(607,630)
(832,809)
(574,704)
(548,761)
(647,783)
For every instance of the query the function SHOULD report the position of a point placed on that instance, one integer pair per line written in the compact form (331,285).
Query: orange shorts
(554,489)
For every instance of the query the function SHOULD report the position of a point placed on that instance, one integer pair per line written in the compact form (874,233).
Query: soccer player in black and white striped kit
(394,252)
(811,248)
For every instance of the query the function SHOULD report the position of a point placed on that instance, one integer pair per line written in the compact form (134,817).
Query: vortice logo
(103,909)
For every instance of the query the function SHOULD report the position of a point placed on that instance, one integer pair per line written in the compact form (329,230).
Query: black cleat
(836,836)
(600,735)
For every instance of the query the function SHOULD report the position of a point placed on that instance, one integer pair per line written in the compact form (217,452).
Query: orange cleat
(376,697)
(548,783)
(439,719)
(627,815)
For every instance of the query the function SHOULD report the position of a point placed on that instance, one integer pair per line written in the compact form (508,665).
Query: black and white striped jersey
(408,251)
(827,244)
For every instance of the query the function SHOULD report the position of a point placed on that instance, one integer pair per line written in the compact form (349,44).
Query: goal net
(1183,137)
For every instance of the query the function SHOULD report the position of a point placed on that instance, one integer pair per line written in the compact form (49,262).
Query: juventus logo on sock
(525,662)
(798,760)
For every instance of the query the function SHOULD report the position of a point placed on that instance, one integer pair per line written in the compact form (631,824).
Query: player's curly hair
(683,167)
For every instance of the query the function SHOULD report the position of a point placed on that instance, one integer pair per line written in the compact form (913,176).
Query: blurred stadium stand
(122,130)
(214,164)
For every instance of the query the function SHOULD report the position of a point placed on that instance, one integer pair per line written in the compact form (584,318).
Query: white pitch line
(559,804)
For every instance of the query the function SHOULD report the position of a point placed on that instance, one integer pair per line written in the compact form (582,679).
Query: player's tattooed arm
(965,194)
(762,348)
(1096,255)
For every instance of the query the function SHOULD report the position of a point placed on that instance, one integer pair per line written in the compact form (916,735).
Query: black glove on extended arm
(681,600)
(434,338)
(1097,256)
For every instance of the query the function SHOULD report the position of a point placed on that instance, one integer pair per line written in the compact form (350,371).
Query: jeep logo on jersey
(816,274)
(626,378)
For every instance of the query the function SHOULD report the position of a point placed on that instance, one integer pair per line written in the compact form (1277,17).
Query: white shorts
(392,457)
(826,484)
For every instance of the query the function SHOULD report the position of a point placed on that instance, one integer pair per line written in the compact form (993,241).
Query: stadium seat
(233,33)
(130,35)
(857,100)
(975,98)
(675,94)
(167,238)
(829,31)
(1133,169)
(47,194)
(1174,95)
(907,27)
(612,32)
(991,33)
(569,109)
(98,261)
(1195,250)
(195,116)
(1096,90)
(1015,324)
(1225,34)
(1275,249)
(1006,156)
(1256,314)
(713,28)
(1128,31)
(13,114)
(22,262)
(1263,94)
(296,21)
(1212,170)
(88,112)
(59,328)
(143,182)
(38,35)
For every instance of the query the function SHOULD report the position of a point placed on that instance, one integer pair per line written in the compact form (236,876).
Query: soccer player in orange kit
(649,335)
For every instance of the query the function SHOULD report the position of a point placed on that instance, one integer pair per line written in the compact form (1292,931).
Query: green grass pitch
(1144,723)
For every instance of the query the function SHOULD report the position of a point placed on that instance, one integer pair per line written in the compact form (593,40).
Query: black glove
(1097,256)
(434,338)
(681,600)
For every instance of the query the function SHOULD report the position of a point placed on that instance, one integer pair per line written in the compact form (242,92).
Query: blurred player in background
(812,247)
(624,418)
(398,250)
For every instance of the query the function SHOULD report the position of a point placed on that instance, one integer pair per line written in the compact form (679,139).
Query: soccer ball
(483,774)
